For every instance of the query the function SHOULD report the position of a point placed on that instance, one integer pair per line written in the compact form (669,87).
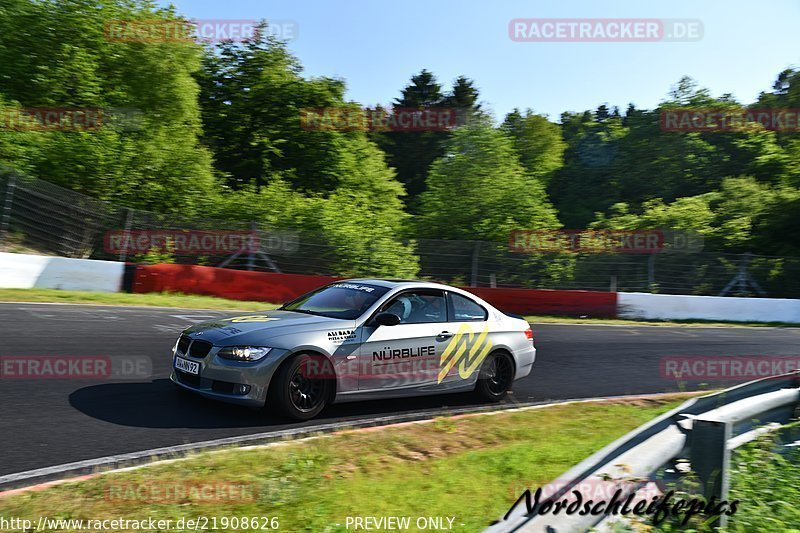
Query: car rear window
(465,310)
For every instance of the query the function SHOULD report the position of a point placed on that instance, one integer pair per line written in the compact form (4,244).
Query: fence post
(651,272)
(743,278)
(475,251)
(710,459)
(6,218)
(250,257)
(126,234)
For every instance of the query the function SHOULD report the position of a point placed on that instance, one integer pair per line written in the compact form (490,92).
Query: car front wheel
(298,390)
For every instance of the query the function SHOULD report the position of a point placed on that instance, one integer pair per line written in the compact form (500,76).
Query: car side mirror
(387,319)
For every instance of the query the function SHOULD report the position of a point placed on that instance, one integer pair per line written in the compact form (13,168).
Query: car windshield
(341,300)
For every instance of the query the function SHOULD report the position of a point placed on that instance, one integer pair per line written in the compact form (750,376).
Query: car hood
(257,328)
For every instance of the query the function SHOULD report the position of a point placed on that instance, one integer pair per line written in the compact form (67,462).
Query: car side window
(418,307)
(465,310)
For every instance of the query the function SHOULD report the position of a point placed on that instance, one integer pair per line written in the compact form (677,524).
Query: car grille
(200,348)
(183,343)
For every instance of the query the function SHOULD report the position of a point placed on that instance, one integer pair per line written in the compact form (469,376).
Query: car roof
(409,283)
(395,283)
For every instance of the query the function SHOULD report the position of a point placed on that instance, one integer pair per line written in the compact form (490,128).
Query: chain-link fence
(39,217)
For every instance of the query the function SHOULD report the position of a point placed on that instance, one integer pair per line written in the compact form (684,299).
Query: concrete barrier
(684,307)
(23,271)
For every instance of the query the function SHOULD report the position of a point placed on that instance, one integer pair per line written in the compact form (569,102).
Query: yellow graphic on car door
(253,318)
(467,350)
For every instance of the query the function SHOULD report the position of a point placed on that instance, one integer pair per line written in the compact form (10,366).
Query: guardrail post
(710,459)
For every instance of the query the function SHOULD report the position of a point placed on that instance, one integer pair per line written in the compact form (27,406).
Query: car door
(407,354)
(470,343)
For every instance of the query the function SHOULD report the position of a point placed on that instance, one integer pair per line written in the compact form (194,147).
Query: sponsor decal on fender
(342,336)
(467,350)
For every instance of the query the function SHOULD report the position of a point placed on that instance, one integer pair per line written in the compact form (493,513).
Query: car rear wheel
(496,377)
(298,390)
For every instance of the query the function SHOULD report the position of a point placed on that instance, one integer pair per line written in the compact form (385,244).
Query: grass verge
(764,480)
(156,299)
(470,468)
(767,482)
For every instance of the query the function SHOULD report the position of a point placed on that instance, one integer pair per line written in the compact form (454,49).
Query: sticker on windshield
(467,350)
(364,288)
(253,318)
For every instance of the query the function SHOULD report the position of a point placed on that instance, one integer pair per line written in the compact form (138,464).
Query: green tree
(412,152)
(253,97)
(589,181)
(538,143)
(65,59)
(479,190)
(364,218)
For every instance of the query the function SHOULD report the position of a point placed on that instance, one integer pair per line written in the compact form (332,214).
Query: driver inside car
(431,309)
(401,307)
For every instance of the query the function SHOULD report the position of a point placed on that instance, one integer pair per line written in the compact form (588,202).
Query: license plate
(189,367)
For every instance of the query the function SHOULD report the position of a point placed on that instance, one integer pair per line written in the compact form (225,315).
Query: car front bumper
(223,380)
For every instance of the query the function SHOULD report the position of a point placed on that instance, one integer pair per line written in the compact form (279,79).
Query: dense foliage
(218,133)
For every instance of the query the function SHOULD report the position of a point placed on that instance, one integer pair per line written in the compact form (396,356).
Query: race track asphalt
(55,421)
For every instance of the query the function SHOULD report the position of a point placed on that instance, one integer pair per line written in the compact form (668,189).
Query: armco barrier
(23,271)
(273,287)
(700,433)
(684,307)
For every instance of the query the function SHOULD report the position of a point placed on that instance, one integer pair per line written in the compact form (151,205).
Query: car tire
(295,394)
(496,377)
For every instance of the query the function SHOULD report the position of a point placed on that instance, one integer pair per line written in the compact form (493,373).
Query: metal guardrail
(703,430)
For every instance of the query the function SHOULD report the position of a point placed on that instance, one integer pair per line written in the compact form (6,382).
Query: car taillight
(529,334)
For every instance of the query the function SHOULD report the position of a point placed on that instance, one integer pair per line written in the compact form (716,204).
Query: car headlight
(244,353)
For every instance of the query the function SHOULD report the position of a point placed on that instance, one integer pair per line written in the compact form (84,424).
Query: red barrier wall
(279,288)
(225,282)
(549,302)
